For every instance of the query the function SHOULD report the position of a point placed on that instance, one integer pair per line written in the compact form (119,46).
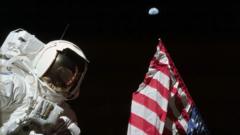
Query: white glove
(72,127)
(34,133)
(64,126)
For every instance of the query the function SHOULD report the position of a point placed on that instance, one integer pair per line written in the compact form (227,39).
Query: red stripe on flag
(150,104)
(174,119)
(142,124)
(184,90)
(180,128)
(157,85)
(175,71)
(156,64)
(181,106)
(182,98)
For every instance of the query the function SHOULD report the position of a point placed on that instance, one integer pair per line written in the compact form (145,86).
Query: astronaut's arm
(3,101)
(5,92)
(12,93)
(16,120)
(43,119)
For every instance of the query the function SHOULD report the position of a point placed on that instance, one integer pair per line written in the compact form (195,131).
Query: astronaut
(36,80)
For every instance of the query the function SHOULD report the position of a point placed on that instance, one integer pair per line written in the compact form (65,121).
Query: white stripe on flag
(150,116)
(132,130)
(156,96)
(177,114)
(183,96)
(161,57)
(160,77)
(170,125)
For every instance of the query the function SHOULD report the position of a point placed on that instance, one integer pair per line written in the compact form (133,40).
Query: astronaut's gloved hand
(34,133)
(61,128)
(64,126)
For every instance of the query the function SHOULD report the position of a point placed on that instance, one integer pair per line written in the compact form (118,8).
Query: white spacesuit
(35,81)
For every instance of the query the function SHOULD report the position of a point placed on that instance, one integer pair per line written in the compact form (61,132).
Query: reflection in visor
(65,72)
(66,75)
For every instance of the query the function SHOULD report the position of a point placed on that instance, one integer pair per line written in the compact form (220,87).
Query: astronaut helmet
(62,66)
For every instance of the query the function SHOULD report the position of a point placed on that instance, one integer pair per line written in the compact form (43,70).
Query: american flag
(162,104)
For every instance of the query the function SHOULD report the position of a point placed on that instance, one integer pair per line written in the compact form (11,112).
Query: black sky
(119,38)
